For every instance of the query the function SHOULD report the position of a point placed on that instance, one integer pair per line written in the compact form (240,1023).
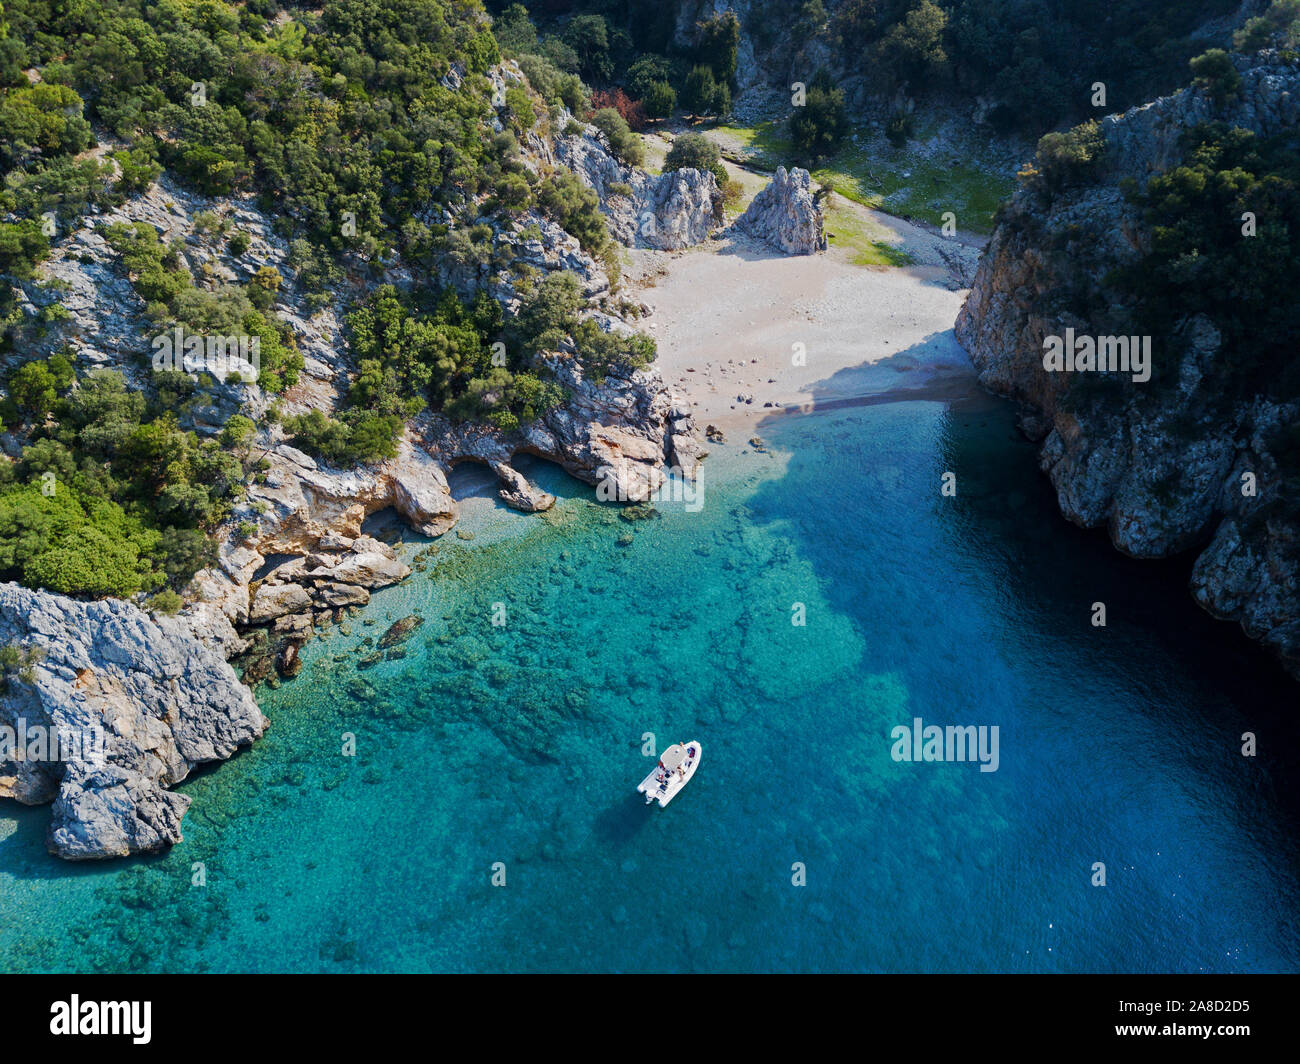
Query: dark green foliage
(112,497)
(913,47)
(703,94)
(692,151)
(1202,262)
(899,128)
(22,245)
(514,31)
(818,127)
(73,544)
(1037,59)
(554,84)
(602,352)
(588,36)
(1072,156)
(1277,27)
(625,144)
(648,70)
(577,208)
(718,46)
(35,386)
(40,121)
(1214,73)
(551,311)
(659,100)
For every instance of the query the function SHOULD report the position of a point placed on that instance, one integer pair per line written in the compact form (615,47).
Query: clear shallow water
(522,744)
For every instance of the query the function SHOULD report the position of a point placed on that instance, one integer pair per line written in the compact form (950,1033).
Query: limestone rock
(786,214)
(369,564)
(144,701)
(518,493)
(669,211)
(277,600)
(1159,467)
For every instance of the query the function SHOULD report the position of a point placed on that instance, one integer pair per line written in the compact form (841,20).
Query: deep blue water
(521,744)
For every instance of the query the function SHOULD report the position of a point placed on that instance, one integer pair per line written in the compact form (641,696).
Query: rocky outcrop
(293,555)
(621,433)
(786,214)
(669,211)
(137,702)
(1161,468)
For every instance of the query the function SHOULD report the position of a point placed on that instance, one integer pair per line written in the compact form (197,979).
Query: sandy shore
(743,330)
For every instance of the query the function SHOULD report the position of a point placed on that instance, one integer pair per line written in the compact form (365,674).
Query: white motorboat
(676,766)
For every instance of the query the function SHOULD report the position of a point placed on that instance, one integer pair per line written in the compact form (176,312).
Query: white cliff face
(1160,471)
(162,701)
(669,212)
(786,214)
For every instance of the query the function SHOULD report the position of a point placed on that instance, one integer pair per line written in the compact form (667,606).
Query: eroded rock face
(669,211)
(161,701)
(620,434)
(786,215)
(1160,468)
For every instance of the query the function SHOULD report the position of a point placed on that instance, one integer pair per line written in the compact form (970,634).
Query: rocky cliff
(666,211)
(1164,468)
(135,702)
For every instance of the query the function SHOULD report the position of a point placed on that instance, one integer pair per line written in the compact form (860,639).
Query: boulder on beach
(786,214)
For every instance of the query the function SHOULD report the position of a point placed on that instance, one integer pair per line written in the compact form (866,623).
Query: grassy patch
(877,175)
(864,241)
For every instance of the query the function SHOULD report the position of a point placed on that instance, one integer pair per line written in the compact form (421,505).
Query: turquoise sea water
(522,744)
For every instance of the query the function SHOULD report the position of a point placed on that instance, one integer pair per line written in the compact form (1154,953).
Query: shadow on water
(623,821)
(1188,684)
(1054,572)
(1005,518)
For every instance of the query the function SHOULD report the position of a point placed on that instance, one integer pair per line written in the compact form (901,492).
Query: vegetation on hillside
(367,129)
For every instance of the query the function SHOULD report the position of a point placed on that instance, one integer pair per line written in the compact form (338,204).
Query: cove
(521,746)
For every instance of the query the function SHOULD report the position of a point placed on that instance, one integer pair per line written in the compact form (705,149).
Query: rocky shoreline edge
(162,693)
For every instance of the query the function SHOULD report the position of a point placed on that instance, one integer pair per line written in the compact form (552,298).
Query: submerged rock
(289,663)
(137,701)
(400,631)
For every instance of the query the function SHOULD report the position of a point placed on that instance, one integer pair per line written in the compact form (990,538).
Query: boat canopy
(673,756)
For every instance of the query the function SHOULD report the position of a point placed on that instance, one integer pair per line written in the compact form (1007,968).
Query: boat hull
(662,785)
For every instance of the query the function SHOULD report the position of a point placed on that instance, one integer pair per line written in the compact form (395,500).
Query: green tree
(659,100)
(1213,72)
(625,144)
(647,70)
(22,246)
(692,151)
(818,127)
(913,49)
(702,94)
(588,36)
(719,46)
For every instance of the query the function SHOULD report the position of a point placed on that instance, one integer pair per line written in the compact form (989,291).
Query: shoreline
(744,332)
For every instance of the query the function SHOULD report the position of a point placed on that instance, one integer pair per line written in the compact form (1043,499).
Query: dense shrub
(703,94)
(818,127)
(692,151)
(659,100)
(625,144)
